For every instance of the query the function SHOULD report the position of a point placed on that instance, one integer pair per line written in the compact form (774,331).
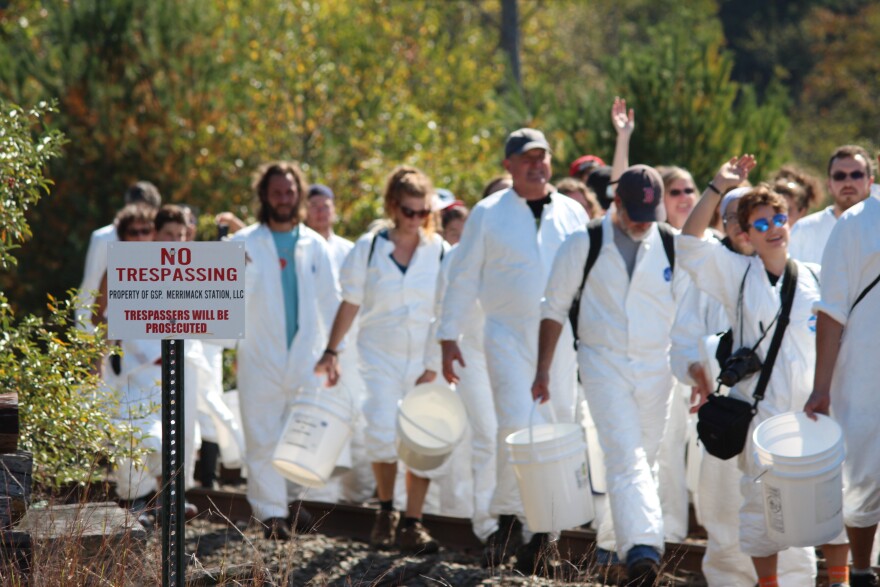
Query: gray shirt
(628,248)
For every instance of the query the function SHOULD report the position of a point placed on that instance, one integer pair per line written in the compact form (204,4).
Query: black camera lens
(739,365)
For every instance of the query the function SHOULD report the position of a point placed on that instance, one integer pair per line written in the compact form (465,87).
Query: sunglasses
(763,224)
(138,231)
(842,175)
(730,219)
(676,193)
(410,213)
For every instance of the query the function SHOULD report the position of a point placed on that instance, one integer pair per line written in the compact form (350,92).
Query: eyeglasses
(763,224)
(676,193)
(410,213)
(730,219)
(131,232)
(853,175)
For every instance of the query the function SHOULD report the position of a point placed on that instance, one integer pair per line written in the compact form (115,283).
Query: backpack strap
(372,247)
(668,239)
(594,230)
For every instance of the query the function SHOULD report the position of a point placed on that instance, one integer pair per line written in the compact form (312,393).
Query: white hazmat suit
(624,329)
(270,372)
(504,261)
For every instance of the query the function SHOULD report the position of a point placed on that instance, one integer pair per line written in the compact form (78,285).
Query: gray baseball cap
(525,139)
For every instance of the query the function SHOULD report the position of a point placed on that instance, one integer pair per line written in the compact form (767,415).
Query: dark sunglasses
(675,193)
(763,224)
(138,231)
(410,213)
(842,175)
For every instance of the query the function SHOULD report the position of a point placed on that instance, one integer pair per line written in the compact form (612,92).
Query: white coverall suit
(623,354)
(93,272)
(719,272)
(717,499)
(851,262)
(476,393)
(504,261)
(270,373)
(396,310)
(139,388)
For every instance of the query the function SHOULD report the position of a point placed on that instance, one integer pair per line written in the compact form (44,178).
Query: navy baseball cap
(319,189)
(640,188)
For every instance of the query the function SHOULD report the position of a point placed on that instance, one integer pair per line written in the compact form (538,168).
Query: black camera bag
(723,422)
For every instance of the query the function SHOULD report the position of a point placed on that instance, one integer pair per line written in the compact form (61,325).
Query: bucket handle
(416,425)
(301,391)
(534,409)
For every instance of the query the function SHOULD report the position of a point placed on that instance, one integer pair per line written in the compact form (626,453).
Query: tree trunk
(510,37)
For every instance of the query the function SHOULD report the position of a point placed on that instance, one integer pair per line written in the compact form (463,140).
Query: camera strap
(789,285)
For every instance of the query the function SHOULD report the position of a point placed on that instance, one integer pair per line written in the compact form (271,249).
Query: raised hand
(734,172)
(624,121)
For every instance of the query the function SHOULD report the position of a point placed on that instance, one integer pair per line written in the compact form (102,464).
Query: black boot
(503,542)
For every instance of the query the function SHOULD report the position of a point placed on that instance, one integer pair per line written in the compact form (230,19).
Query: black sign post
(172,513)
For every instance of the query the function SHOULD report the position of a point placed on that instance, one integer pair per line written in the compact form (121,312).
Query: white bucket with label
(431,420)
(317,429)
(550,462)
(802,478)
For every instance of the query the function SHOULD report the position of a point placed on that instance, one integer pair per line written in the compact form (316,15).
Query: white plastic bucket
(802,478)
(431,420)
(550,462)
(317,429)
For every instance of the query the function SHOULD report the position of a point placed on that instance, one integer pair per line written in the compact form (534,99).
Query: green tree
(690,112)
(64,417)
(838,103)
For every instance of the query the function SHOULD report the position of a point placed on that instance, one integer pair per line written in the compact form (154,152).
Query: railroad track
(355,521)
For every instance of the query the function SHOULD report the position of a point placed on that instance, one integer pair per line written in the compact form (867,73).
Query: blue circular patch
(667,274)
(811,323)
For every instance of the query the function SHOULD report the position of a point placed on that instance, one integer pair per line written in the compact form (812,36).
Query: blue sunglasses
(763,224)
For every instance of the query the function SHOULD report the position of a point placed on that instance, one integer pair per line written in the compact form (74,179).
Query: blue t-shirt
(285,243)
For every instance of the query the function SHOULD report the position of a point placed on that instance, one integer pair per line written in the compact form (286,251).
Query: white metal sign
(175,290)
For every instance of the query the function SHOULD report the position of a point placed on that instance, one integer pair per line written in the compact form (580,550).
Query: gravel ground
(227,555)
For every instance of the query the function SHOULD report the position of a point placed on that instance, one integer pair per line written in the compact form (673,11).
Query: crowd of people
(483,299)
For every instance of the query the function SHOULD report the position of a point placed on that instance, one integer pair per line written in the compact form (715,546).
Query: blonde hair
(407,181)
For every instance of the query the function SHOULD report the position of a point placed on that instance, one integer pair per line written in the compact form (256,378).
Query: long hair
(260,186)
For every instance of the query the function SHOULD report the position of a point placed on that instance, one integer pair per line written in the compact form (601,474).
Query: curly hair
(761,195)
(804,188)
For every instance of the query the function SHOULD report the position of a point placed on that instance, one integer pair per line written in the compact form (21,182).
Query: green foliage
(690,113)
(64,418)
(838,104)
(22,158)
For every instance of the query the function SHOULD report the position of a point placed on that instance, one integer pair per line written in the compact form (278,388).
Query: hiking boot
(867,580)
(384,529)
(642,566)
(299,518)
(276,529)
(503,542)
(144,512)
(416,539)
(537,556)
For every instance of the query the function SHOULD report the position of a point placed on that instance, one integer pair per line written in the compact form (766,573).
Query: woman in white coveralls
(389,281)
(725,276)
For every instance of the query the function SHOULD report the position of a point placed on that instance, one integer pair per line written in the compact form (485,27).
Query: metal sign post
(173,473)
(169,291)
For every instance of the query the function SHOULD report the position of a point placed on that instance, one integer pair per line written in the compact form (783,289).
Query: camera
(739,365)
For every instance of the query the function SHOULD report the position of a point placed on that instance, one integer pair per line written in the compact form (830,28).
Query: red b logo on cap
(649,195)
